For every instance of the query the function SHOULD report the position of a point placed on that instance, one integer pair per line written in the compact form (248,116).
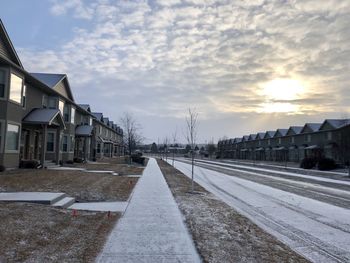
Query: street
(309,213)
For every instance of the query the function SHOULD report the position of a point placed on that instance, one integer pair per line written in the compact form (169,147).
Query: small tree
(174,135)
(154,148)
(166,144)
(131,131)
(191,137)
(211,148)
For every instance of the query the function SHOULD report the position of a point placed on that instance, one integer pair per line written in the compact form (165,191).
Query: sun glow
(282,89)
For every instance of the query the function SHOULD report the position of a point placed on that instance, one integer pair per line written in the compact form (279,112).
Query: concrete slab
(152,227)
(101,206)
(32,197)
(65,202)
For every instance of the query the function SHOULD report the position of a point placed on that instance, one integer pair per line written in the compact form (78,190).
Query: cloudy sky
(247,66)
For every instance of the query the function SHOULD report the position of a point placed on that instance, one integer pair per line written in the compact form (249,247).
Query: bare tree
(191,136)
(166,145)
(132,132)
(174,137)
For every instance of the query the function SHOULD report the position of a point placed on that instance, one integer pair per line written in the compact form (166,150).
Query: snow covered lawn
(41,233)
(220,233)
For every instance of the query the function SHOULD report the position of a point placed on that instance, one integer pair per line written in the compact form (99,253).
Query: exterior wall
(61,89)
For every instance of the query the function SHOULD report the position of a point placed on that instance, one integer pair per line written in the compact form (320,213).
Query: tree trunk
(192,173)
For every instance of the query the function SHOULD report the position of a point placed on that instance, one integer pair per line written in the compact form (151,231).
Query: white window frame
(71,144)
(54,140)
(19,137)
(309,138)
(24,96)
(10,88)
(329,136)
(279,140)
(72,115)
(61,102)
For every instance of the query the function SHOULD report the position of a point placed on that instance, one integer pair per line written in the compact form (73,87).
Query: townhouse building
(39,118)
(330,139)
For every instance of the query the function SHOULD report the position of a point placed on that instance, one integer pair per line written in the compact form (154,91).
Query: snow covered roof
(83,130)
(45,116)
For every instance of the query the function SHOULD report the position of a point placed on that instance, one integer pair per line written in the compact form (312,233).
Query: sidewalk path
(152,229)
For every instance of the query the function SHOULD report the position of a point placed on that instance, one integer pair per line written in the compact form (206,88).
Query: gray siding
(61,89)
(4,51)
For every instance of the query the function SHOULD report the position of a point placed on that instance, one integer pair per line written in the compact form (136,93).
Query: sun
(282,89)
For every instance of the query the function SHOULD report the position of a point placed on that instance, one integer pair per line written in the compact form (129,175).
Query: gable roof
(269,134)
(335,123)
(245,138)
(311,126)
(280,132)
(260,135)
(85,107)
(294,130)
(53,80)
(238,140)
(105,120)
(44,116)
(7,47)
(252,137)
(98,115)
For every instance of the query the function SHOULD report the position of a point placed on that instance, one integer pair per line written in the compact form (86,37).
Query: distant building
(330,139)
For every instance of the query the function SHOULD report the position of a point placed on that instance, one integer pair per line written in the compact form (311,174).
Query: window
(279,140)
(16,88)
(44,101)
(100,130)
(90,121)
(269,142)
(12,137)
(52,103)
(308,138)
(293,139)
(65,143)
(2,83)
(329,136)
(71,144)
(66,113)
(50,144)
(24,96)
(99,148)
(61,106)
(72,115)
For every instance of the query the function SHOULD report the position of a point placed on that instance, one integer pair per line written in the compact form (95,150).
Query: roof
(269,134)
(45,116)
(98,115)
(85,107)
(52,80)
(336,123)
(281,132)
(295,129)
(83,130)
(49,79)
(245,138)
(105,120)
(260,135)
(252,137)
(312,126)
(9,45)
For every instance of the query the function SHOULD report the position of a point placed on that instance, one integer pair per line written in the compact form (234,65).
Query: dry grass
(39,233)
(220,233)
(81,185)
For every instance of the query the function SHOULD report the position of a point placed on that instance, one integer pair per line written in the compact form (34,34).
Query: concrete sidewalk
(152,229)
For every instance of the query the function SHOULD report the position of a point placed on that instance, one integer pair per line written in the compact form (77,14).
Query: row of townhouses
(330,139)
(40,120)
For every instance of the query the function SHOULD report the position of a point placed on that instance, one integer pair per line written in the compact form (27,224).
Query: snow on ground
(152,228)
(319,231)
(311,177)
(101,206)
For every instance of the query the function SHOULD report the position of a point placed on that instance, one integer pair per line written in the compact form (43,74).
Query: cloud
(167,55)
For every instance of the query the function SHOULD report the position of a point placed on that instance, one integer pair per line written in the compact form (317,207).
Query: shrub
(325,164)
(138,159)
(69,162)
(78,160)
(2,168)
(308,163)
(29,164)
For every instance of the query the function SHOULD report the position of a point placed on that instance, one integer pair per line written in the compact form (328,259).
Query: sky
(244,66)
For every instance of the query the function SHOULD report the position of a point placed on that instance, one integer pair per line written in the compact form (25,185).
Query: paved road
(313,219)
(330,191)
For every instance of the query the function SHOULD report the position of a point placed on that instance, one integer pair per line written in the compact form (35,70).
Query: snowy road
(317,229)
